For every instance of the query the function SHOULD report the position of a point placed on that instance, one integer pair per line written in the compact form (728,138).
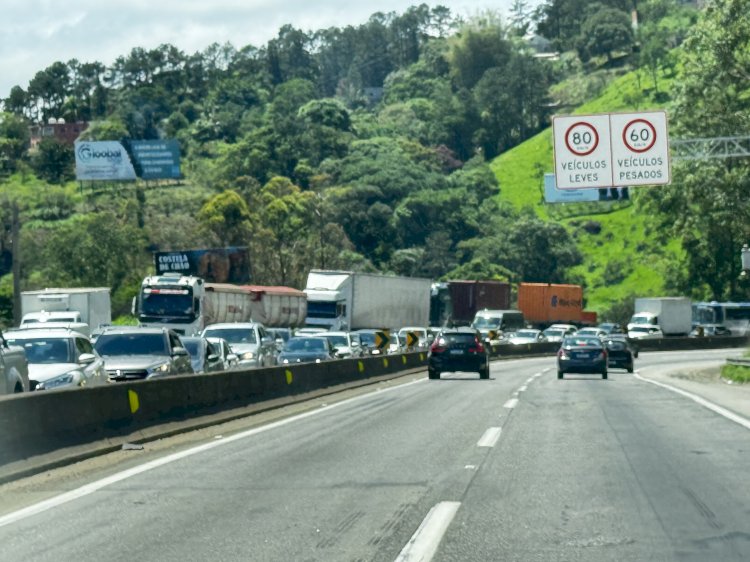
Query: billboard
(156,159)
(554,195)
(102,160)
(214,265)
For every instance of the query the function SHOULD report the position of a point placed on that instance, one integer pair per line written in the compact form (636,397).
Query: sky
(36,33)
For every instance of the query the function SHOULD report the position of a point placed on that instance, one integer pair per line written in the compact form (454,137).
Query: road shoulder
(706,382)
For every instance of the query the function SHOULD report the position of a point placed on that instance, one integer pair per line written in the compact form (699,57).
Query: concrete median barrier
(41,422)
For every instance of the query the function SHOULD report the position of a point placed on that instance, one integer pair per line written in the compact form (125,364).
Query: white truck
(14,369)
(672,315)
(80,308)
(186,304)
(346,300)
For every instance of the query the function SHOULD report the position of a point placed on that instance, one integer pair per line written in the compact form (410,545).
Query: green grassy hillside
(620,258)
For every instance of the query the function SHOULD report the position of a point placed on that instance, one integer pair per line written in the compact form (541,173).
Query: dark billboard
(214,265)
(156,159)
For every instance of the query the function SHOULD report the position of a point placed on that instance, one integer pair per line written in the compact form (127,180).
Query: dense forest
(368,147)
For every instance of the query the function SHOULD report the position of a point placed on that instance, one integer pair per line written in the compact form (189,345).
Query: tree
(14,138)
(707,207)
(93,250)
(53,161)
(604,31)
(227,216)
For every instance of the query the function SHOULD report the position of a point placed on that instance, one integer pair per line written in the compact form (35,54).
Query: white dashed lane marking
(490,437)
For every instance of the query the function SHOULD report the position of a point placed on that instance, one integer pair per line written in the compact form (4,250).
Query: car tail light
(478,347)
(436,348)
(561,354)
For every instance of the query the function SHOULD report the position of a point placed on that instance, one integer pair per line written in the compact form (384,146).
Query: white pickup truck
(14,369)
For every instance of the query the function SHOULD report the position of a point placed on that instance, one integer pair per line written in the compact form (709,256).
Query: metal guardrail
(739,361)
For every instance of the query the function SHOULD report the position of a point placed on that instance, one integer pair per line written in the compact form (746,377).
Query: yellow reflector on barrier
(134,402)
(421,356)
(385,362)
(289,377)
(403,359)
(361,366)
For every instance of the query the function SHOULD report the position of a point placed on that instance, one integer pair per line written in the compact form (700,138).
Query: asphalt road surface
(518,467)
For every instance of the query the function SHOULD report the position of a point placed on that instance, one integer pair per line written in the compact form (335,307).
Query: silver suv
(249,341)
(132,353)
(59,358)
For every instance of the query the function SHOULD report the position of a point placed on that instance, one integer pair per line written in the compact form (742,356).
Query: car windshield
(233,335)
(482,323)
(131,344)
(45,350)
(526,334)
(193,345)
(337,341)
(367,338)
(641,329)
(553,333)
(306,344)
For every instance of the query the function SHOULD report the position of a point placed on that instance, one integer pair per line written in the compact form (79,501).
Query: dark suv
(458,349)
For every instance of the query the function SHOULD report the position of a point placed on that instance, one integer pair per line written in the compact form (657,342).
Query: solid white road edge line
(92,487)
(523,388)
(424,542)
(510,404)
(744,422)
(490,437)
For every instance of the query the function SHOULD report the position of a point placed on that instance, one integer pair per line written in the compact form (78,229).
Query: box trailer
(346,300)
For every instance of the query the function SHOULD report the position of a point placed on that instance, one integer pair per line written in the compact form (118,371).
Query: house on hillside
(58,129)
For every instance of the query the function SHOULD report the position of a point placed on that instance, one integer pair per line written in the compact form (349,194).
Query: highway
(518,467)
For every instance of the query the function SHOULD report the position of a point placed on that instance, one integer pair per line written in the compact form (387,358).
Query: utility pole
(15,250)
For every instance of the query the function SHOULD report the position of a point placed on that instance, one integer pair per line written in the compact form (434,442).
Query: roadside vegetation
(414,143)
(736,373)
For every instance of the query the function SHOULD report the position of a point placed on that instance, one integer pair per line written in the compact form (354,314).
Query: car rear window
(583,341)
(457,338)
(616,345)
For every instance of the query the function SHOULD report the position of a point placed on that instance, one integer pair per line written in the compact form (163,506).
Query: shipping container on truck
(272,306)
(543,304)
(346,300)
(455,303)
(589,318)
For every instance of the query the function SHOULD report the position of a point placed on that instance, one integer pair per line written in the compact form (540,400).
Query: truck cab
(171,301)
(327,297)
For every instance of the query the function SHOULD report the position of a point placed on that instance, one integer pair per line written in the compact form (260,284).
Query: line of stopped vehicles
(189,326)
(59,357)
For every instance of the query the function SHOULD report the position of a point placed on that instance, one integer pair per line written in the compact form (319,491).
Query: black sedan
(306,350)
(582,354)
(619,353)
(460,349)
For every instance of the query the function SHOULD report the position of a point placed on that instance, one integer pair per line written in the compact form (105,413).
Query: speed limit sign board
(640,148)
(611,150)
(582,151)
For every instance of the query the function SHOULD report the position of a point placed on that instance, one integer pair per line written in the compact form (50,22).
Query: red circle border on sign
(625,138)
(596,136)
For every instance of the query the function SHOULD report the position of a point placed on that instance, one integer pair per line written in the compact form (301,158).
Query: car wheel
(484,373)
(559,374)
(433,374)
(630,369)
(604,374)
